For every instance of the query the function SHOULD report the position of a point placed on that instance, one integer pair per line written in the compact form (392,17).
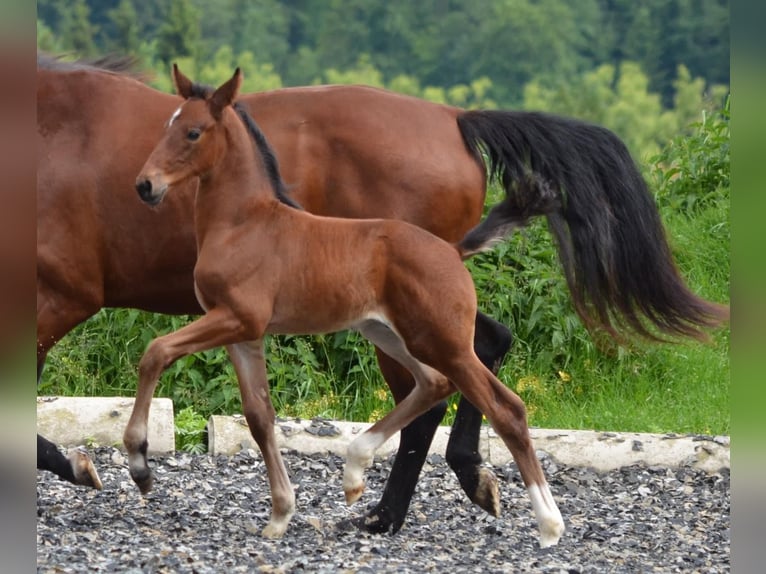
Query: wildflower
(564,376)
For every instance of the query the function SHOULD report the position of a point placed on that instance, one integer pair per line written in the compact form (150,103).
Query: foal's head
(194,139)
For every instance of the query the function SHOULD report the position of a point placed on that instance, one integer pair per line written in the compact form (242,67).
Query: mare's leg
(250,365)
(492,340)
(507,414)
(414,440)
(77,467)
(216,328)
(56,316)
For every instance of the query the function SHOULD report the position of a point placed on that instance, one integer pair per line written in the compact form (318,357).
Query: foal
(266,267)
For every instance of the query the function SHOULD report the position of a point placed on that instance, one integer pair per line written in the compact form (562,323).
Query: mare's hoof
(84,471)
(374,522)
(487,494)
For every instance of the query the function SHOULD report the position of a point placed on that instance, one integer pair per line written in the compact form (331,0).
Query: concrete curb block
(73,421)
(602,451)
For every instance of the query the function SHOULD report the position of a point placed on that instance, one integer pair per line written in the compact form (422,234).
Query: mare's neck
(235,186)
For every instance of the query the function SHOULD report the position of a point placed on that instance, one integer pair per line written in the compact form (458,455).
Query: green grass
(566,381)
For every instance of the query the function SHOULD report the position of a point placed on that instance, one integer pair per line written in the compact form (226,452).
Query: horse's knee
(154,359)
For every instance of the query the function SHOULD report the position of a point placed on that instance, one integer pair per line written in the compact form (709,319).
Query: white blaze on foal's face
(174,116)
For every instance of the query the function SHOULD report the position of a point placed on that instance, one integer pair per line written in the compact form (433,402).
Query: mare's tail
(610,239)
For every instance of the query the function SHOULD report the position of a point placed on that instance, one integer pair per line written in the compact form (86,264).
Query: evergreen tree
(125,23)
(75,28)
(180,34)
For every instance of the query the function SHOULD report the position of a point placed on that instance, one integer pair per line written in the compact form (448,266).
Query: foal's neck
(237,183)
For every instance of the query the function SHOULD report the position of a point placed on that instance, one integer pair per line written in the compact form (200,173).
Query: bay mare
(264,266)
(347,151)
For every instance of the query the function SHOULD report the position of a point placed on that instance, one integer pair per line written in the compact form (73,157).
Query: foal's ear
(226,94)
(182,83)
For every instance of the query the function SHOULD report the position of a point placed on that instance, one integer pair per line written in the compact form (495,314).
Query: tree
(75,29)
(180,33)
(626,105)
(125,22)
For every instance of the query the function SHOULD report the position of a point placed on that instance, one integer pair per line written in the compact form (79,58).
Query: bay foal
(266,267)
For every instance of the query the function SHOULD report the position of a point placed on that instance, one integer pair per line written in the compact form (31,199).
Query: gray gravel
(205,514)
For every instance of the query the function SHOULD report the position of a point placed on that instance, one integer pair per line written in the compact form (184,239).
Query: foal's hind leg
(507,414)
(414,440)
(216,328)
(249,363)
(430,388)
(492,340)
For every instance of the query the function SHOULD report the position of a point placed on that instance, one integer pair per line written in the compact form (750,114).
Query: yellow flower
(529,383)
(564,376)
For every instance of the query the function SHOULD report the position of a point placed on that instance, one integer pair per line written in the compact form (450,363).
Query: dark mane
(124,65)
(268,155)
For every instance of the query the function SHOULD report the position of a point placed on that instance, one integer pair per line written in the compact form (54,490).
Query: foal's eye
(193,135)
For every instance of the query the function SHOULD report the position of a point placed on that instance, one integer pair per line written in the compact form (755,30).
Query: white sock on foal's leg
(358,459)
(549,519)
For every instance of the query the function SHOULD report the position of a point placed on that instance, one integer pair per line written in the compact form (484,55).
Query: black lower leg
(50,458)
(415,439)
(491,342)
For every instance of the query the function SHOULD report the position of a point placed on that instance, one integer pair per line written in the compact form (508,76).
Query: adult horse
(358,152)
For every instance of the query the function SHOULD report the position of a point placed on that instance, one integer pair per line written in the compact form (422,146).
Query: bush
(693,170)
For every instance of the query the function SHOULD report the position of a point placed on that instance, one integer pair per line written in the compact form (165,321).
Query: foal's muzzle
(149,193)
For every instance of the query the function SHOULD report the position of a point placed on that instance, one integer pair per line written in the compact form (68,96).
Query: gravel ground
(205,514)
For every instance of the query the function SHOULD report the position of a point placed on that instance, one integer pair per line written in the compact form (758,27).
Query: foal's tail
(610,239)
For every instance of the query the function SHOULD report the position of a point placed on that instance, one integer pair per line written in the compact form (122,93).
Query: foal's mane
(268,156)
(202,92)
(123,65)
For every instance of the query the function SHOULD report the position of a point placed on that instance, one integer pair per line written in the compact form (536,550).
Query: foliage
(693,171)
(442,44)
(621,100)
(190,431)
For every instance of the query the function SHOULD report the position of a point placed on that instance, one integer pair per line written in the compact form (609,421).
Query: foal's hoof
(551,532)
(274,531)
(143,478)
(353,493)
(84,471)
(487,494)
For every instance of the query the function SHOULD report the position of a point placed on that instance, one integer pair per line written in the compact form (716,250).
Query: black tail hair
(610,239)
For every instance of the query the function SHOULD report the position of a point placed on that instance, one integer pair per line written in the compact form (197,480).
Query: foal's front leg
(250,365)
(216,328)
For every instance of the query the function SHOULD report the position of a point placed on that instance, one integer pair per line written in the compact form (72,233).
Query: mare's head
(194,138)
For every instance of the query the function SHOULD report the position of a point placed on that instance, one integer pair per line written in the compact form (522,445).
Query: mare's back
(361,152)
(92,114)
